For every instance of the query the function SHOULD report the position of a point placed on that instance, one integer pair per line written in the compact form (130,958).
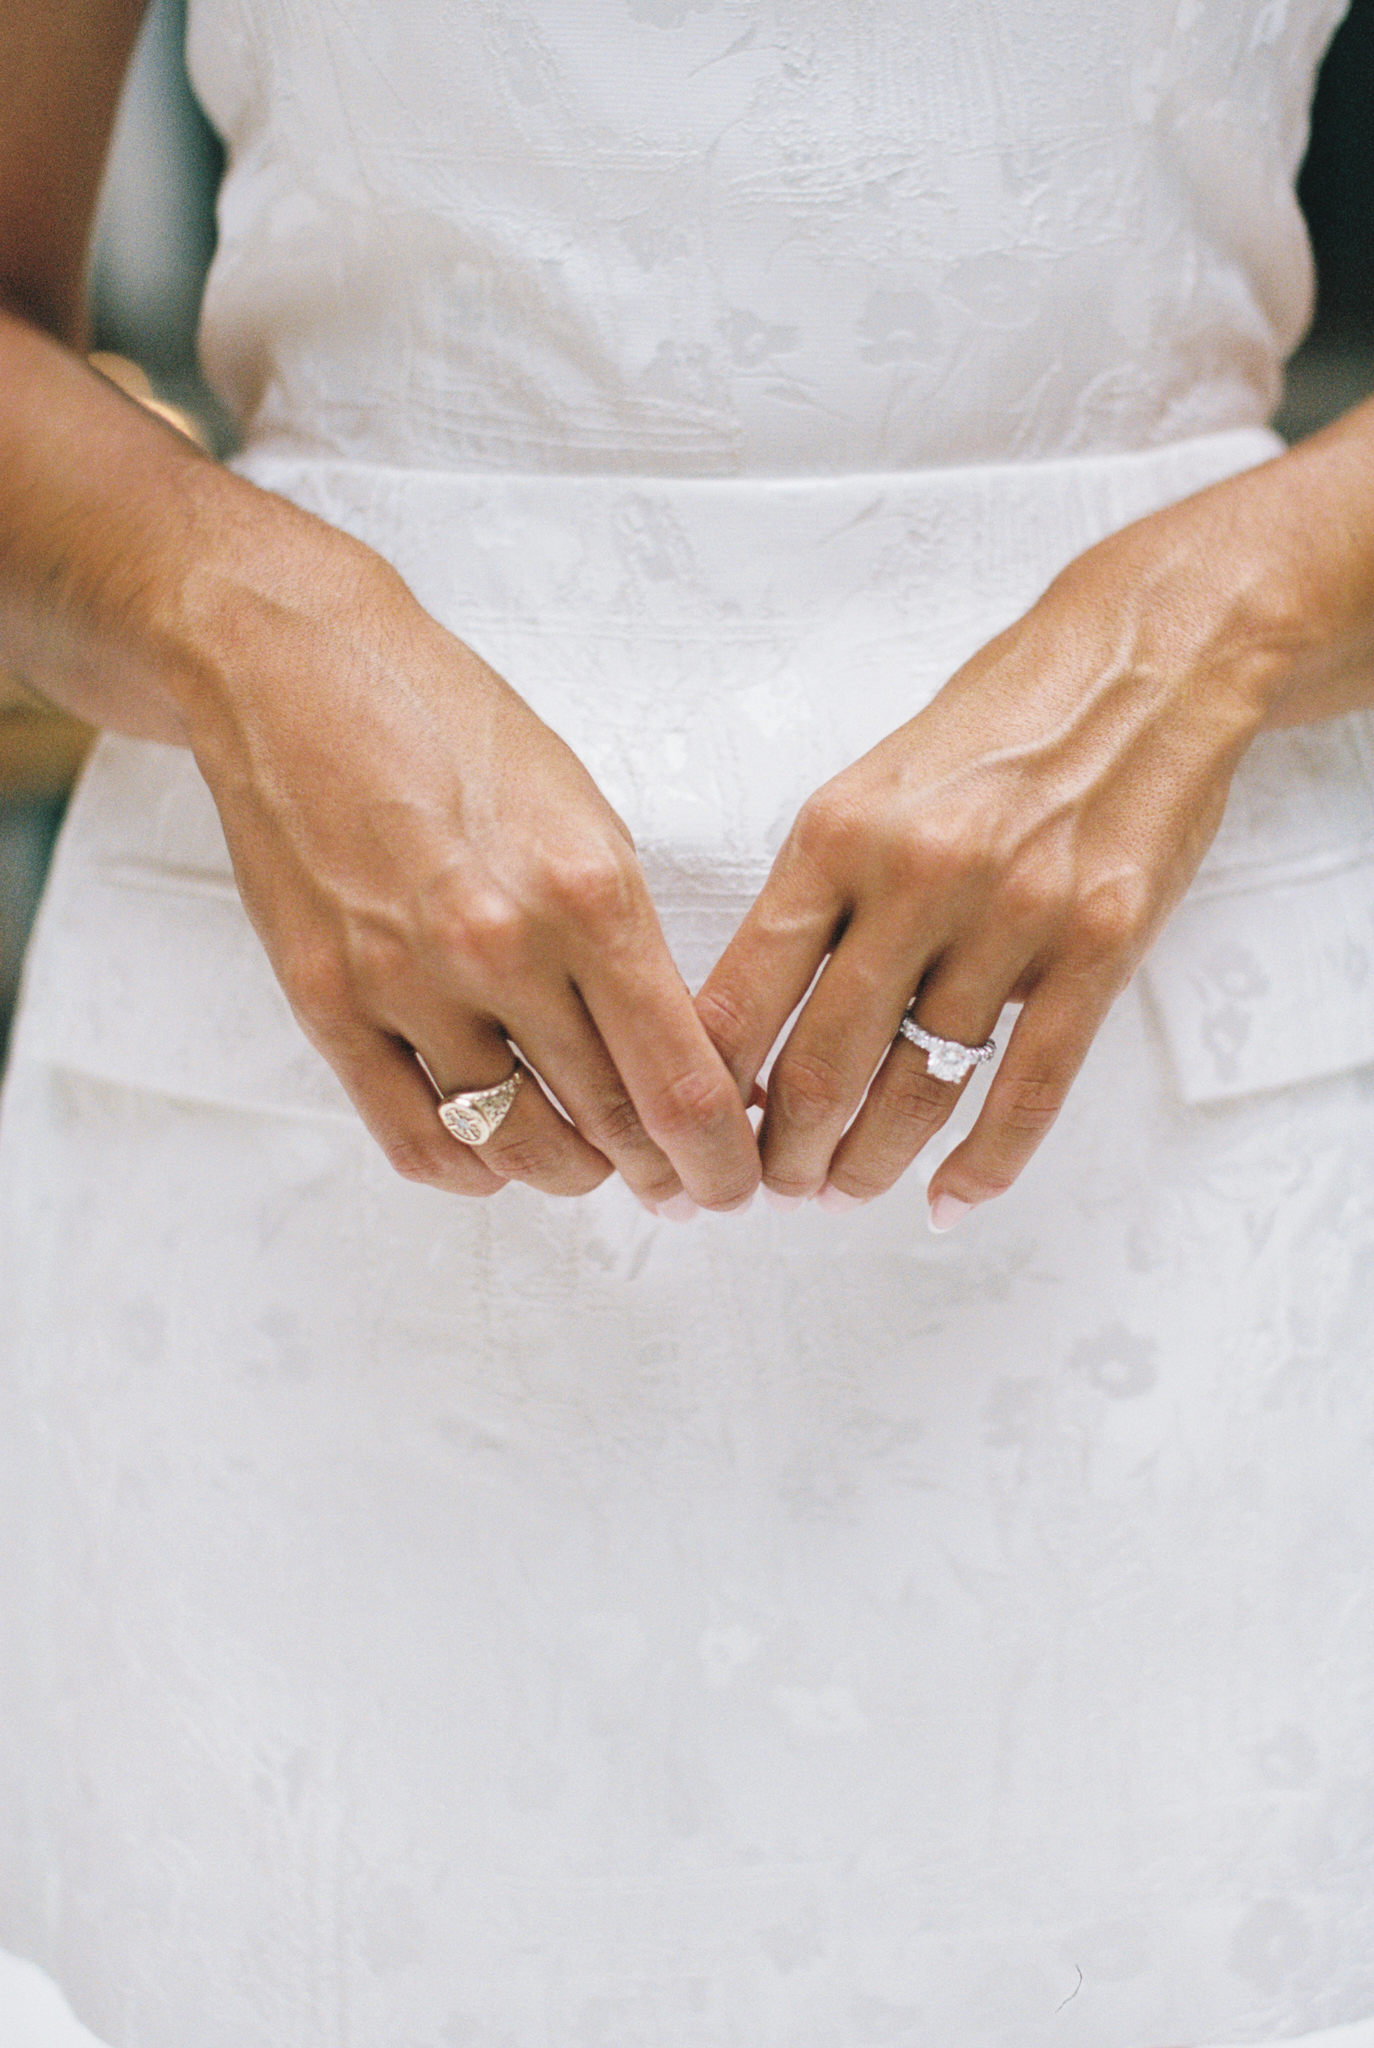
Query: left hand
(1021,839)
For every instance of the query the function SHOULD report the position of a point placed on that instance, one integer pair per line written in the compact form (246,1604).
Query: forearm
(135,574)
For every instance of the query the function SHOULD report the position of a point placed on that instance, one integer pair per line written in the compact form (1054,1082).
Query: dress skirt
(524,1624)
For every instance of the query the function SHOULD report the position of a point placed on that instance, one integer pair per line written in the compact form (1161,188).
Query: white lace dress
(528,1625)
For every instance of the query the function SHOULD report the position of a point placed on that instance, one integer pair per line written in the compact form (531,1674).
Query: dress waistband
(693,552)
(1245,444)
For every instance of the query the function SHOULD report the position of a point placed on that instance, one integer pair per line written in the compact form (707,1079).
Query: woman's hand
(1024,837)
(427,864)
(430,867)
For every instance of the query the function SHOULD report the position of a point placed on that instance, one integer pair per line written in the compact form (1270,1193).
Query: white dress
(530,1625)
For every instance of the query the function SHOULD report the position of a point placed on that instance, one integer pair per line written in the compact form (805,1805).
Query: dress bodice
(754,236)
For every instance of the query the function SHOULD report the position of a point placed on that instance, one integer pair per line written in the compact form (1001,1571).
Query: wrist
(1284,554)
(1321,507)
(1195,632)
(254,597)
(1236,600)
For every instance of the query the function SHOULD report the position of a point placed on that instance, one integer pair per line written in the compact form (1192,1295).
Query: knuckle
(985,1166)
(589,1174)
(806,1089)
(1028,905)
(694,1098)
(931,853)
(916,1100)
(593,885)
(1025,1110)
(911,852)
(827,828)
(792,1186)
(488,930)
(319,984)
(378,964)
(529,1157)
(863,1186)
(1031,1106)
(1107,924)
(613,1124)
(414,1160)
(725,1020)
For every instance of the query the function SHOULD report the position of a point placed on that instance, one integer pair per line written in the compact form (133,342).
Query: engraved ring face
(476,1114)
(946,1058)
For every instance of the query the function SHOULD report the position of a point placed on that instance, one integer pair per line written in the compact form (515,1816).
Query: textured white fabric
(1361,2035)
(33,2014)
(531,1623)
(751,236)
(525,1625)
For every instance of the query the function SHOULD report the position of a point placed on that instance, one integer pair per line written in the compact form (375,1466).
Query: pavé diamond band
(946,1058)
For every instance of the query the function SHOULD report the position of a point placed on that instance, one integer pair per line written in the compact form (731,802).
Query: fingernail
(741,1207)
(836,1200)
(945,1211)
(679,1208)
(784,1204)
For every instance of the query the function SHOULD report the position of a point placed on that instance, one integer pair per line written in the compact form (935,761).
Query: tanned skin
(428,866)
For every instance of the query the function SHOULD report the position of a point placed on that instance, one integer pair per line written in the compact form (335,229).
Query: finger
(533,1143)
(396,1103)
(820,1076)
(959,999)
(904,1108)
(1048,1045)
(770,962)
(685,1096)
(566,1047)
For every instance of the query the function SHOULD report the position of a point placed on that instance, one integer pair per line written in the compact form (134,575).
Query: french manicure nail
(679,1208)
(836,1200)
(945,1211)
(784,1204)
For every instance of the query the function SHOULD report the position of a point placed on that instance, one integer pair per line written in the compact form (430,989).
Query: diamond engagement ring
(946,1058)
(473,1115)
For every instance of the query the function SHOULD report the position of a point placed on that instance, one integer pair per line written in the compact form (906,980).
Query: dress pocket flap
(1269,980)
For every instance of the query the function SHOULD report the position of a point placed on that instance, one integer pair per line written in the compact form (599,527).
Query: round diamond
(948,1064)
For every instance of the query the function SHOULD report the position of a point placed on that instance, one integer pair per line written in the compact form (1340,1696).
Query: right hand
(429,866)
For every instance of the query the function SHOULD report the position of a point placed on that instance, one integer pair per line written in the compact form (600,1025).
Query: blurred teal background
(155,231)
(155,236)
